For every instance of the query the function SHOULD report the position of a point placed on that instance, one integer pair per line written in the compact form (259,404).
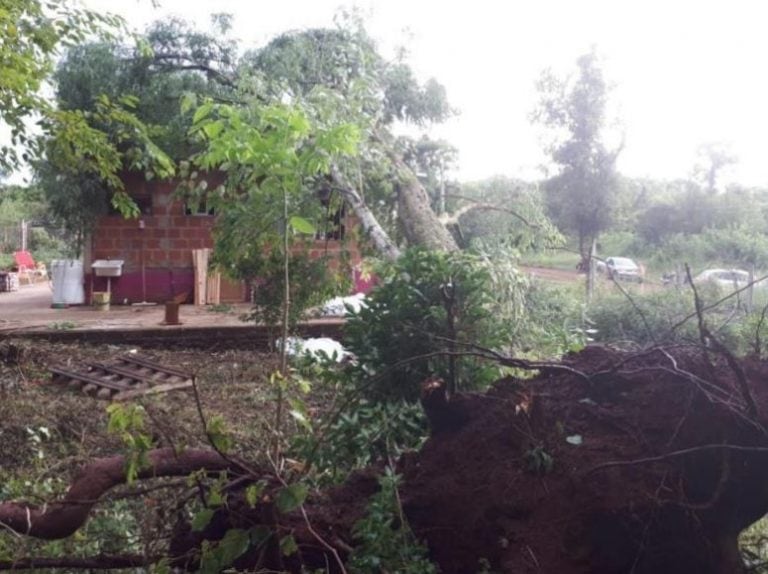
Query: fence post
(23,235)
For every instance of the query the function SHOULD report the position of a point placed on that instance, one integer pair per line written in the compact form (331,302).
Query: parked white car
(724,278)
(622,268)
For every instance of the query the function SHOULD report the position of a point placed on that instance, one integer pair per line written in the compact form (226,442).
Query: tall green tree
(582,196)
(148,80)
(32,35)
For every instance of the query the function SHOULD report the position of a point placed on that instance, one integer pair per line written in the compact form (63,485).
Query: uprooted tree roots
(611,462)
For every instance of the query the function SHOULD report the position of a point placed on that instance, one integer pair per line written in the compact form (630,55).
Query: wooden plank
(155,366)
(232,291)
(129,374)
(200,263)
(126,395)
(213,289)
(86,378)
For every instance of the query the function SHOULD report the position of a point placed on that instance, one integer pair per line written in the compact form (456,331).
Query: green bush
(385,542)
(310,283)
(363,434)
(428,309)
(615,317)
(554,321)
(648,318)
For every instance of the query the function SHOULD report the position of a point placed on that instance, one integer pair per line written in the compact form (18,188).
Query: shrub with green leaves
(649,318)
(427,311)
(644,319)
(310,283)
(385,542)
(363,434)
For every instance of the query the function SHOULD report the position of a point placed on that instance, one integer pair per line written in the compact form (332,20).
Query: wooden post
(200,261)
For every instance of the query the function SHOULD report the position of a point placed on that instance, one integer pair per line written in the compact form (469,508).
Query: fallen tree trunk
(371,226)
(63,518)
(420,223)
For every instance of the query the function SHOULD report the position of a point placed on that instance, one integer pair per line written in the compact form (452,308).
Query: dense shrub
(649,318)
(428,308)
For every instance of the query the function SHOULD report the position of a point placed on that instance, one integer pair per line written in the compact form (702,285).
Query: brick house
(157,248)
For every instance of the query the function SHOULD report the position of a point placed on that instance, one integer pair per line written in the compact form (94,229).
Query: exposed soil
(484,489)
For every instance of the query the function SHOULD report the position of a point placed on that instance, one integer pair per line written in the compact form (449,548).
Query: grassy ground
(47,432)
(555,259)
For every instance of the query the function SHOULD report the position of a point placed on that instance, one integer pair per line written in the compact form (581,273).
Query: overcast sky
(685,73)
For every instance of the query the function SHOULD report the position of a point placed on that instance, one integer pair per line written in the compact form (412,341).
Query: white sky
(685,72)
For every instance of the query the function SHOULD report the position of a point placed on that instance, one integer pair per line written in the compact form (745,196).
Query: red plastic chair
(25,265)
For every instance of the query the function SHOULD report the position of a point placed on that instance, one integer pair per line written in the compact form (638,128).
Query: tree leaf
(202,112)
(201,519)
(253,493)
(288,545)
(291,497)
(213,129)
(301,225)
(235,542)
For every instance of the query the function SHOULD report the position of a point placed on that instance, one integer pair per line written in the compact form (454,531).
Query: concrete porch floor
(28,312)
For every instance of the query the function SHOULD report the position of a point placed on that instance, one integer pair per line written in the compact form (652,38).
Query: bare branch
(476,204)
(734,293)
(707,336)
(678,454)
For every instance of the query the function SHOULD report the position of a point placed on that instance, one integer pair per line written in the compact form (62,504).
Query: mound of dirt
(610,463)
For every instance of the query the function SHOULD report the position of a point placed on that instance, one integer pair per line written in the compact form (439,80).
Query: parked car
(622,268)
(724,278)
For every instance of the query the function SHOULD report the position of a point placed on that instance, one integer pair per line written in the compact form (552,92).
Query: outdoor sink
(108,267)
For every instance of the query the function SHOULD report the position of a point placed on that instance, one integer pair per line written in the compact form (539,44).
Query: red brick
(180,256)
(106,243)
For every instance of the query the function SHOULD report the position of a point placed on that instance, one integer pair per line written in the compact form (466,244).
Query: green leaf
(254,492)
(201,519)
(202,112)
(218,433)
(291,497)
(213,129)
(288,545)
(188,101)
(301,225)
(234,544)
